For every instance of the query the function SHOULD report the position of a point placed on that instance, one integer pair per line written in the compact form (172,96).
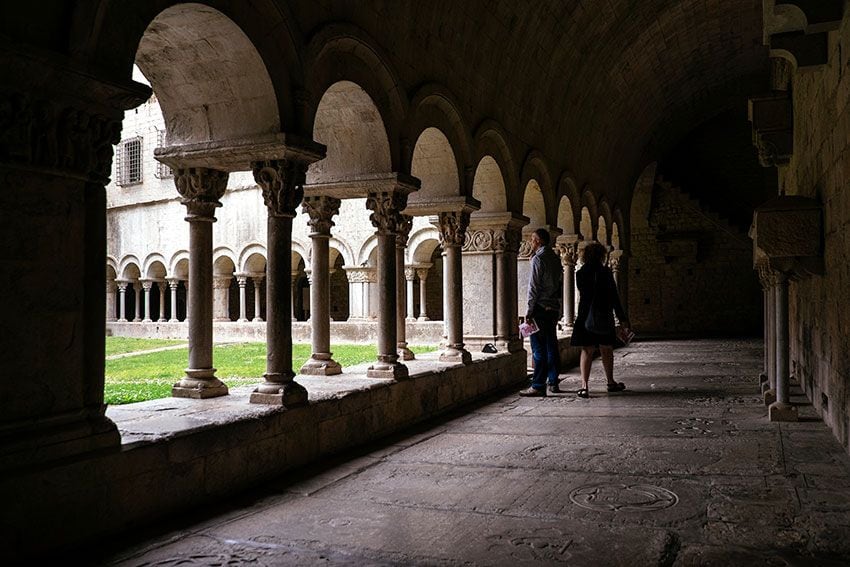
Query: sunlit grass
(121,345)
(151,376)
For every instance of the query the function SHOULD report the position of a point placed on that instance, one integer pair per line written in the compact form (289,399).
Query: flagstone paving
(682,468)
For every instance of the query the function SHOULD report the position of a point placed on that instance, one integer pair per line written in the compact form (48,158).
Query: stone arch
(618,234)
(568,188)
(602,230)
(488,186)
(303,253)
(254,249)
(642,198)
(366,249)
(433,162)
(341,248)
(178,266)
(421,246)
(254,263)
(491,140)
(210,80)
(535,169)
(586,224)
(154,259)
(343,52)
(604,223)
(223,263)
(434,107)
(534,205)
(130,267)
(589,214)
(112,263)
(566,217)
(349,123)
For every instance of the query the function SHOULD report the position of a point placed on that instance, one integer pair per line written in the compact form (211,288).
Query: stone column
(201,189)
(111,292)
(173,283)
(523,269)
(506,284)
(769,387)
(282,182)
(161,287)
(781,409)
(401,296)
(137,290)
(764,280)
(410,277)
(242,281)
(258,282)
(146,286)
(569,256)
(321,210)
(423,295)
(386,207)
(357,278)
(293,279)
(221,298)
(122,300)
(453,226)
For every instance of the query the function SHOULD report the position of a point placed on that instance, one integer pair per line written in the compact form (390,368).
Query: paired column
(453,226)
(386,207)
(146,286)
(404,228)
(410,277)
(423,293)
(508,245)
(201,189)
(122,300)
(767,379)
(321,211)
(282,183)
(173,283)
(161,287)
(258,282)
(569,256)
(242,281)
(111,292)
(221,298)
(781,409)
(137,290)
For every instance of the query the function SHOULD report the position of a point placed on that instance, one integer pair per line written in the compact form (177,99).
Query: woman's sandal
(616,387)
(583,393)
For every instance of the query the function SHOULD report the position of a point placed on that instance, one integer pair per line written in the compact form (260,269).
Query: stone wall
(689,273)
(820,168)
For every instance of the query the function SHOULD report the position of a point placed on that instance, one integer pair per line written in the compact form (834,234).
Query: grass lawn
(150,376)
(121,345)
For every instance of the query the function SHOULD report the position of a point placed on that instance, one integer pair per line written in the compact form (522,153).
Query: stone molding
(796,252)
(282,183)
(321,210)
(773,128)
(452,227)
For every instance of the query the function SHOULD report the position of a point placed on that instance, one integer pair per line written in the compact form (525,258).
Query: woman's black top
(596,281)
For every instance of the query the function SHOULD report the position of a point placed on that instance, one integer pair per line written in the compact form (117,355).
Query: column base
(456,355)
(781,411)
(321,364)
(388,370)
(162,320)
(289,394)
(411,319)
(769,397)
(405,353)
(199,384)
(147,320)
(174,320)
(222,320)
(240,320)
(121,321)
(424,319)
(257,320)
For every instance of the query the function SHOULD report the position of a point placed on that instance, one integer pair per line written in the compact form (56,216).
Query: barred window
(129,162)
(162,170)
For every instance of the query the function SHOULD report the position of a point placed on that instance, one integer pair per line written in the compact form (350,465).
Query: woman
(598,289)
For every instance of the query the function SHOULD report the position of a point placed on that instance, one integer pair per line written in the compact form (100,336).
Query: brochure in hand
(528,328)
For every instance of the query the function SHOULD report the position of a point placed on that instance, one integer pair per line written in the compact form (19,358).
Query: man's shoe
(554,389)
(532,393)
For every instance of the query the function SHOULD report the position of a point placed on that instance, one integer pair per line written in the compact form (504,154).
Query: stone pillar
(423,294)
(282,182)
(781,409)
(401,296)
(221,298)
(146,286)
(201,189)
(258,282)
(161,287)
(242,281)
(137,290)
(506,283)
(122,300)
(386,207)
(321,210)
(769,387)
(111,293)
(410,277)
(764,280)
(453,226)
(173,283)
(293,293)
(568,250)
(357,279)
(523,269)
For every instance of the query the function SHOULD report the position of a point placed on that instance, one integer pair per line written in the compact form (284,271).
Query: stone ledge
(179,453)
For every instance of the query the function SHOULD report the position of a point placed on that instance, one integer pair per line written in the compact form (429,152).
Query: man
(544,308)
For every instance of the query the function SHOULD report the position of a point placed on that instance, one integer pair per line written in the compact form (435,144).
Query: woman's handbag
(598,321)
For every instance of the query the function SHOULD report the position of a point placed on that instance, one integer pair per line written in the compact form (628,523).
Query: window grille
(129,162)
(162,170)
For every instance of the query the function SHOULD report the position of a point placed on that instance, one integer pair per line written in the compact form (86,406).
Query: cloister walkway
(681,469)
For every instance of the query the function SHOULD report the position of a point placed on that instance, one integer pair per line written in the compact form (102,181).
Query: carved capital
(386,207)
(525,249)
(221,282)
(409,273)
(321,210)
(282,183)
(422,273)
(404,228)
(568,251)
(360,275)
(201,189)
(453,228)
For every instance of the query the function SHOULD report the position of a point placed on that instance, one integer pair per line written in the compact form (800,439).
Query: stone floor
(680,469)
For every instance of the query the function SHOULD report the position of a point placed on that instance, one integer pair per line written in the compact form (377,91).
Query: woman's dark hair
(543,235)
(593,253)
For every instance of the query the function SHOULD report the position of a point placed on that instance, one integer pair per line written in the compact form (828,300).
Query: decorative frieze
(282,183)
(321,210)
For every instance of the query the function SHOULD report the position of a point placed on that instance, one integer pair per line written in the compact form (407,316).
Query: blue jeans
(544,350)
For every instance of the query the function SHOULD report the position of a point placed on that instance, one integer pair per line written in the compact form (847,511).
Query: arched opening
(566,220)
(133,293)
(254,270)
(159,291)
(179,279)
(428,285)
(533,206)
(488,187)
(586,225)
(225,290)
(435,166)
(300,289)
(602,231)
(339,298)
